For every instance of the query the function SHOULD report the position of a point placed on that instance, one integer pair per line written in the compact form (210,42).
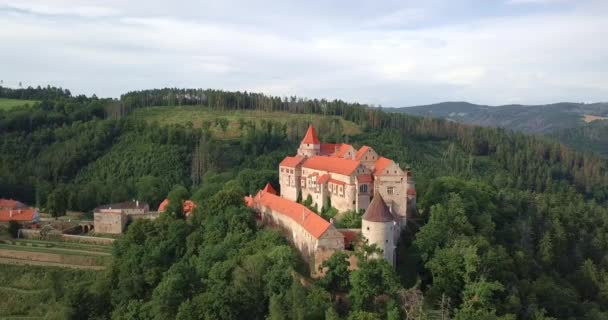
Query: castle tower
(310,145)
(379,227)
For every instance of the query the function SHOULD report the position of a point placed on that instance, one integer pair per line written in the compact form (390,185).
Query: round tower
(310,145)
(379,227)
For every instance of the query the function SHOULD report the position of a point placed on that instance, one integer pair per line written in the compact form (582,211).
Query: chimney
(331,220)
(11,213)
(137,204)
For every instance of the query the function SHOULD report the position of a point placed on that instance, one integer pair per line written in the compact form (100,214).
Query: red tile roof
(328,148)
(364,178)
(311,136)
(248,201)
(331,164)
(11,204)
(187,207)
(381,164)
(349,236)
(342,150)
(310,221)
(411,191)
(268,188)
(22,214)
(324,178)
(361,152)
(291,162)
(334,181)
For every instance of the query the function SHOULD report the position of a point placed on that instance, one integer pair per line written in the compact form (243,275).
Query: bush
(13,228)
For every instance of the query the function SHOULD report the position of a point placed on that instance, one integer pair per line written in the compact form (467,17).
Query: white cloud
(111,47)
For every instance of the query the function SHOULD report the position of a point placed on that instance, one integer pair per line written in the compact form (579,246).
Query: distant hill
(579,125)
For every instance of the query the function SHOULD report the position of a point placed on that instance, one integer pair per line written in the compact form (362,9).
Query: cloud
(390,54)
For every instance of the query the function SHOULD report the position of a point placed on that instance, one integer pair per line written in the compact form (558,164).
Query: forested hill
(510,226)
(576,124)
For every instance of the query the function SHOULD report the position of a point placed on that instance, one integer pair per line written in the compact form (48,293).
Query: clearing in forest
(589,118)
(197,115)
(7,104)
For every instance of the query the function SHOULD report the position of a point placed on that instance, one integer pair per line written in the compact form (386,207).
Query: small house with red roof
(12,210)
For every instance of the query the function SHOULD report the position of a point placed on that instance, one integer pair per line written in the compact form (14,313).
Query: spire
(378,211)
(311,136)
(268,188)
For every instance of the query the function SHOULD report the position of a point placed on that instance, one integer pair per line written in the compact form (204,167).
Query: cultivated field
(197,115)
(55,253)
(6,104)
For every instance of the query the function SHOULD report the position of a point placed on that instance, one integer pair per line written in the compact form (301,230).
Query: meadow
(8,104)
(198,115)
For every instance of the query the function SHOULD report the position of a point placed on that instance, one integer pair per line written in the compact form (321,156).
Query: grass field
(30,292)
(198,114)
(7,104)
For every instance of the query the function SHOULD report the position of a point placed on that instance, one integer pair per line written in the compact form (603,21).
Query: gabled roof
(11,204)
(342,150)
(268,188)
(291,162)
(331,164)
(310,221)
(20,214)
(381,164)
(378,211)
(361,152)
(311,136)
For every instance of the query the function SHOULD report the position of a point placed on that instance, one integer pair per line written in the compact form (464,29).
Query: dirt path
(23,290)
(4,260)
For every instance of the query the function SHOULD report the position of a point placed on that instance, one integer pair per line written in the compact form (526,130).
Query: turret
(310,145)
(379,227)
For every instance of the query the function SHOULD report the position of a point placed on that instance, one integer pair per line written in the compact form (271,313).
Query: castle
(338,176)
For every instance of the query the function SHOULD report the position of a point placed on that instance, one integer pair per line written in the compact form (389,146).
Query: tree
(336,276)
(13,228)
(176,198)
(373,278)
(149,190)
(56,202)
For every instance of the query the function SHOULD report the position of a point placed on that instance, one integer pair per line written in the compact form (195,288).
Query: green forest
(509,226)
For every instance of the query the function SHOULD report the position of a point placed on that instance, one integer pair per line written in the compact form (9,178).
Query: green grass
(36,292)
(199,114)
(52,250)
(64,245)
(7,104)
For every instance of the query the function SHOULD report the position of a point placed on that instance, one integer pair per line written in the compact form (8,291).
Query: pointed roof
(311,136)
(362,151)
(378,211)
(381,164)
(268,188)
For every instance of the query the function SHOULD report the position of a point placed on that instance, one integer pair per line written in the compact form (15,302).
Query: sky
(388,53)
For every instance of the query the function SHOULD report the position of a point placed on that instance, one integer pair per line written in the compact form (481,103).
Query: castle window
(367,228)
(390,190)
(363,188)
(386,240)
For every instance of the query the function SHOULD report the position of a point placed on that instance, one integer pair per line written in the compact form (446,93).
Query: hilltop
(494,234)
(579,125)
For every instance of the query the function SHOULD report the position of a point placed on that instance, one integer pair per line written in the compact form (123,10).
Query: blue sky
(389,53)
